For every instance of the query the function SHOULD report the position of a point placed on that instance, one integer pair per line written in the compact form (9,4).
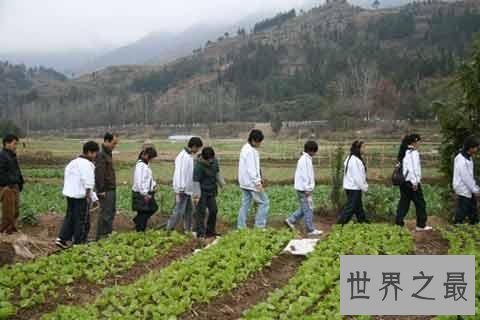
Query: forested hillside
(336,62)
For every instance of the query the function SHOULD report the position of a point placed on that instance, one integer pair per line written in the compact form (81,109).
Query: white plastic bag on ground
(301,247)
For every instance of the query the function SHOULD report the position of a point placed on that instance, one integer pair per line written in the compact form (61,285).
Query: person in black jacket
(106,185)
(205,178)
(11,184)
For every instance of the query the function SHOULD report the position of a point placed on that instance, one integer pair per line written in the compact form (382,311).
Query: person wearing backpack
(464,184)
(354,183)
(411,188)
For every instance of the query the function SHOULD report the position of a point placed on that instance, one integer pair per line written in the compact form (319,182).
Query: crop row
(25,285)
(170,292)
(465,240)
(381,200)
(313,290)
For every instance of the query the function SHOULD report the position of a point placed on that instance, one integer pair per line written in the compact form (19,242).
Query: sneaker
(427,228)
(289,224)
(315,233)
(61,244)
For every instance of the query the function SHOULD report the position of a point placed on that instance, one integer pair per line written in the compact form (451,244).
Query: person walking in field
(251,182)
(411,189)
(205,179)
(11,184)
(106,185)
(355,184)
(183,185)
(304,185)
(78,188)
(143,190)
(464,184)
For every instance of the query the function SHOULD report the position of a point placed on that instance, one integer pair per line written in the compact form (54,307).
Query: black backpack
(397,176)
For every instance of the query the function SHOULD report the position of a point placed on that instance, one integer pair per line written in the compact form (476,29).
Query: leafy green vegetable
(168,293)
(313,288)
(38,280)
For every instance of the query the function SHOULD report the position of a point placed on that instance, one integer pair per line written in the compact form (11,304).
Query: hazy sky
(46,25)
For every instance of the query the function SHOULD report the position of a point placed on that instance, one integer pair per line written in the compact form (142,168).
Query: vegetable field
(380,201)
(30,284)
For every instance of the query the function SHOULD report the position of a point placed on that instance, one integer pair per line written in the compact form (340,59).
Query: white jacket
(412,168)
(183,175)
(79,176)
(305,175)
(143,181)
(463,176)
(355,175)
(249,174)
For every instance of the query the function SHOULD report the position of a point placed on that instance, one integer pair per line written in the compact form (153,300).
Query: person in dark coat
(106,185)
(206,178)
(11,184)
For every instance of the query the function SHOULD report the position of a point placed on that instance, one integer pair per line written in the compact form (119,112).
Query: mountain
(66,62)
(136,53)
(335,62)
(161,47)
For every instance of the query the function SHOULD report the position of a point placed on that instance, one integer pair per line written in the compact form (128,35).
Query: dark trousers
(206,202)
(141,220)
(76,224)
(353,206)
(466,208)
(407,195)
(10,197)
(106,216)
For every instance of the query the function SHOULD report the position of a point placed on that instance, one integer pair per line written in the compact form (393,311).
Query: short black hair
(90,146)
(108,137)
(195,142)
(208,153)
(470,142)
(8,138)
(256,136)
(150,152)
(311,146)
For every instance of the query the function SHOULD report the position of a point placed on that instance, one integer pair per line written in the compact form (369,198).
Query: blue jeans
(305,211)
(261,199)
(183,208)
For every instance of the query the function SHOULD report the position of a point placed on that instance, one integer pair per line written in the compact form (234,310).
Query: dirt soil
(257,288)
(283,267)
(426,243)
(230,305)
(85,292)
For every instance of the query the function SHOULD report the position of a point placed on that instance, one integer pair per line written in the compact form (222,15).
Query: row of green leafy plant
(25,285)
(314,291)
(380,201)
(170,292)
(464,240)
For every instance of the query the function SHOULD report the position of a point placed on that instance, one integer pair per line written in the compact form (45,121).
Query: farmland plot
(23,286)
(314,291)
(170,292)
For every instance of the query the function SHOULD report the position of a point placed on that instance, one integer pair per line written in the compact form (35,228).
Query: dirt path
(231,305)
(426,243)
(85,292)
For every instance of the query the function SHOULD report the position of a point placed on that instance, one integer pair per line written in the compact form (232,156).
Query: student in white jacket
(464,184)
(411,190)
(304,185)
(143,189)
(354,183)
(79,182)
(183,185)
(251,183)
